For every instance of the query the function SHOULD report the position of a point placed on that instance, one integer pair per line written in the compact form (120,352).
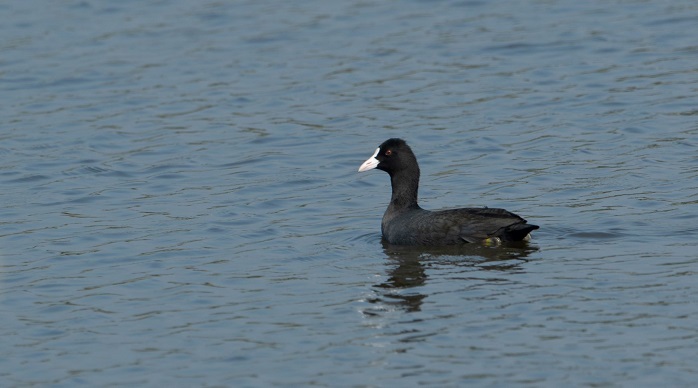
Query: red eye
(388,152)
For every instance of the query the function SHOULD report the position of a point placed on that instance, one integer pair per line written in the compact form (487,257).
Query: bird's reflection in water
(408,269)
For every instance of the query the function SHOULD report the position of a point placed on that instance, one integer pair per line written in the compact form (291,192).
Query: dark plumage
(405,223)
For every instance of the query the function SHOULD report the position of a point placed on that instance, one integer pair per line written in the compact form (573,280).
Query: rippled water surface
(181,207)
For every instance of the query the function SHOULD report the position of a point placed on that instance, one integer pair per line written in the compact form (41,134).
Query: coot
(405,223)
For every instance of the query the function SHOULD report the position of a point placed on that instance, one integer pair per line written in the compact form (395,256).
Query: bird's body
(454,226)
(406,223)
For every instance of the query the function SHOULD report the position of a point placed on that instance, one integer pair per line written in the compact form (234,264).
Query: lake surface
(180,204)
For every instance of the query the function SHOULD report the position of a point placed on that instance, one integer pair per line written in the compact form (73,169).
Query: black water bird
(405,223)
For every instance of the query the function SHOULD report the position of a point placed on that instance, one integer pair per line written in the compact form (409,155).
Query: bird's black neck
(405,184)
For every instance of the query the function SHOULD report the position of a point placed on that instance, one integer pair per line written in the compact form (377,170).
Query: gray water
(180,204)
